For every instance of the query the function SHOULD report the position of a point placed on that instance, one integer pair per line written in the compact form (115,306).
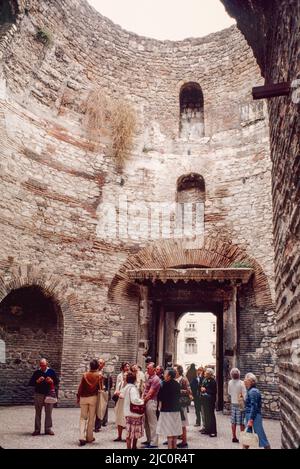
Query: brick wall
(55,179)
(272,30)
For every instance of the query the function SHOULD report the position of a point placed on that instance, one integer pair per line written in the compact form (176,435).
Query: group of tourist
(155,402)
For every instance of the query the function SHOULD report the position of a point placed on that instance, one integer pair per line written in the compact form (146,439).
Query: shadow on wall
(31,327)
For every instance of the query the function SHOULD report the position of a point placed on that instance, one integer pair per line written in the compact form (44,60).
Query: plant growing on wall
(117,115)
(97,111)
(241,265)
(123,124)
(44,36)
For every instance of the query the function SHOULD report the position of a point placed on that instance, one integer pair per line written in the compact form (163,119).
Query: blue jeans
(259,430)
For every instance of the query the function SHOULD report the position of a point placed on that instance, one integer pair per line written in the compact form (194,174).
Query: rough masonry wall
(55,181)
(279,58)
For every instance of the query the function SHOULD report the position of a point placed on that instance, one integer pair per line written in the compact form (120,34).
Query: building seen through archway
(196,340)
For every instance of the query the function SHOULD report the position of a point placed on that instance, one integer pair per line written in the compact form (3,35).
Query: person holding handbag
(253,417)
(237,392)
(44,381)
(185,401)
(87,395)
(134,410)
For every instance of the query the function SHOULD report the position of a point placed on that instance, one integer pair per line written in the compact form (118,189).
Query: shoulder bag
(137,408)
(102,402)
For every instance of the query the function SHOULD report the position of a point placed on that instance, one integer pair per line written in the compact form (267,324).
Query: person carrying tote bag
(102,401)
(249,438)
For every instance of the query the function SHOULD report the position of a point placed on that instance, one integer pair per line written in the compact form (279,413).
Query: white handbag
(50,400)
(249,438)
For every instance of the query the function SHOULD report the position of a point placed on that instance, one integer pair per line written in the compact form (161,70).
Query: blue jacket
(253,403)
(43,387)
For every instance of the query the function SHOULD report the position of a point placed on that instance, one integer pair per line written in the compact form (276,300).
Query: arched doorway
(166,279)
(31,327)
(198,340)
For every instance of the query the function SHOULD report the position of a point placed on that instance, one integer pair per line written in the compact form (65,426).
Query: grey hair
(252,377)
(235,371)
(210,371)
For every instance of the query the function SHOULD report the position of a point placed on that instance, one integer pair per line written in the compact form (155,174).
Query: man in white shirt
(237,392)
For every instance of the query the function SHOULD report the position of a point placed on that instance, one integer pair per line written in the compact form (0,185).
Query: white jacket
(130,394)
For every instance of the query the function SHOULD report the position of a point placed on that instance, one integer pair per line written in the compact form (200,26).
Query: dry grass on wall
(117,116)
(96,113)
(123,124)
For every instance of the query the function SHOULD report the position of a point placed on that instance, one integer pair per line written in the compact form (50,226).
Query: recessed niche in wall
(191,123)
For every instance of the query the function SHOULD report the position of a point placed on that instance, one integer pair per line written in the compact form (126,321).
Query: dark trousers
(197,409)
(99,423)
(209,414)
(39,404)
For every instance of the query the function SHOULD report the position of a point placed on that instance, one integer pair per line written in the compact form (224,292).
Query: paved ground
(16,425)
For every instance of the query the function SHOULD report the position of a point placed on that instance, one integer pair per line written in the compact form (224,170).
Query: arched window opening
(190,198)
(31,326)
(191,125)
(191,188)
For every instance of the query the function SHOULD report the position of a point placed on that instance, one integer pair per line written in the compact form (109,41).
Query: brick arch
(172,253)
(13,277)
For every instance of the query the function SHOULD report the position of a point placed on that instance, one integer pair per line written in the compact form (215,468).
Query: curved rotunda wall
(55,180)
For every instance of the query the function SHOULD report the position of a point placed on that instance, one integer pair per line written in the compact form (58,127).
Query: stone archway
(51,287)
(171,253)
(151,284)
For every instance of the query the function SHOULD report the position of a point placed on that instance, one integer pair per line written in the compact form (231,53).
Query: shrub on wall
(117,115)
(44,36)
(96,112)
(123,124)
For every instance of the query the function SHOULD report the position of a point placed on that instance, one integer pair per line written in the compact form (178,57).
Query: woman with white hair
(253,418)
(208,398)
(237,392)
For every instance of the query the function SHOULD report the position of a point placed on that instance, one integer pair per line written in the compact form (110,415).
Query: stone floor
(16,425)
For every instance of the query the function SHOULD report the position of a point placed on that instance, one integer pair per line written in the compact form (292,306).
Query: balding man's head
(43,364)
(151,368)
(101,363)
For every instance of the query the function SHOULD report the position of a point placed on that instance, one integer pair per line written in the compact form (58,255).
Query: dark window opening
(191,111)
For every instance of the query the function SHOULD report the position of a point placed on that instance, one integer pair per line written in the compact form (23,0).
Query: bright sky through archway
(166,19)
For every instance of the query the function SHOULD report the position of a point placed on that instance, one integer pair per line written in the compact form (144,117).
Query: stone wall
(56,180)
(272,30)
